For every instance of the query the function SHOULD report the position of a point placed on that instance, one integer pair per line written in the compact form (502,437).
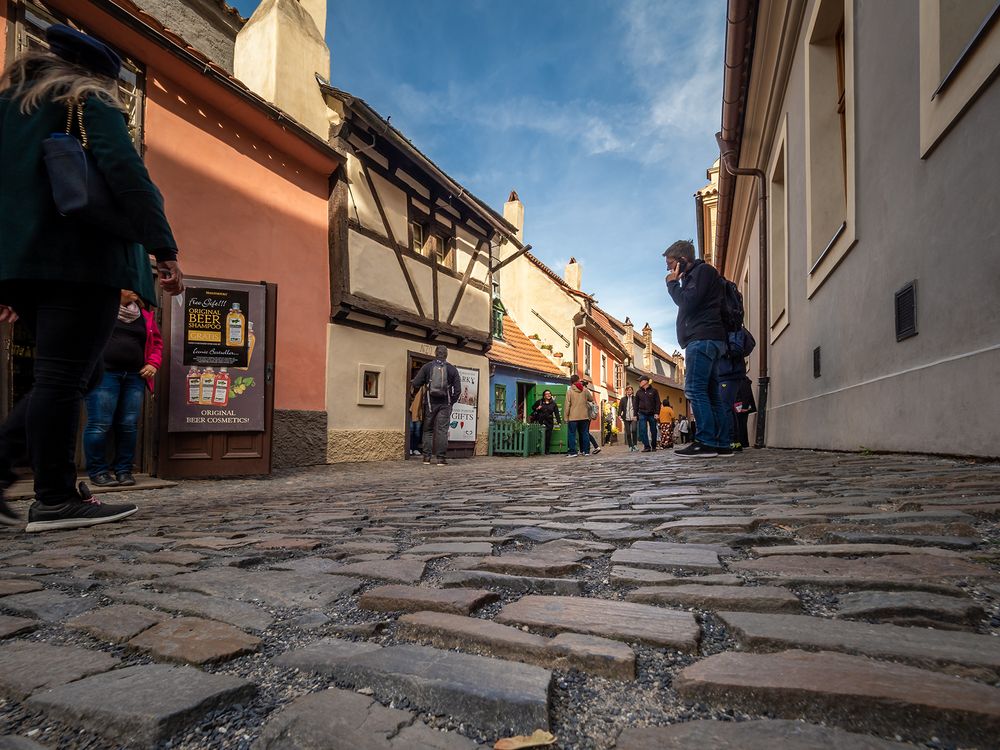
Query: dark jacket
(623,407)
(546,413)
(699,304)
(732,365)
(37,243)
(647,401)
(454,380)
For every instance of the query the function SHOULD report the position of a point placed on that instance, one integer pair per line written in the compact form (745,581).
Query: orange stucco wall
(240,209)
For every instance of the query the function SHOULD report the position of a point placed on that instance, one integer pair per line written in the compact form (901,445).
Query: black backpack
(732,306)
(437,387)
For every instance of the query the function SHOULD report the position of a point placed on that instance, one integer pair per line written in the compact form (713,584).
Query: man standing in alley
(647,403)
(442,386)
(695,287)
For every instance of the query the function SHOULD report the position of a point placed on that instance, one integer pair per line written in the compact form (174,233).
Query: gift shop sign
(462,428)
(217,357)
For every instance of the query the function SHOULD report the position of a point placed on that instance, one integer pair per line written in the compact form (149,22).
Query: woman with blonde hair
(60,274)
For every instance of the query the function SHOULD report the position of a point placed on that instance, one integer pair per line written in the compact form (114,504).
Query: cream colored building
(873,292)
(706,202)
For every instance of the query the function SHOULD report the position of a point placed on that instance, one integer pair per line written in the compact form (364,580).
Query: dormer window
(498,313)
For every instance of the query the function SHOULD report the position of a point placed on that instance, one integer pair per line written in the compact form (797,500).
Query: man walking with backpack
(442,386)
(697,290)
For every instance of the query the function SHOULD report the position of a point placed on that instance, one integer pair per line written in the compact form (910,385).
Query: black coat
(647,401)
(454,380)
(699,304)
(546,413)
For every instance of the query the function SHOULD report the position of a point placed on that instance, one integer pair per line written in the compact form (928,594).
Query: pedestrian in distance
(629,416)
(442,386)
(685,428)
(578,401)
(546,413)
(735,387)
(666,419)
(696,289)
(594,412)
(131,360)
(62,276)
(647,404)
(417,421)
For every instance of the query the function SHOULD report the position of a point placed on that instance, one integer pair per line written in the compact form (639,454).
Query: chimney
(513,211)
(647,354)
(629,339)
(278,55)
(573,274)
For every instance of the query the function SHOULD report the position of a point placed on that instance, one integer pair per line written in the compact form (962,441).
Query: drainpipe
(727,151)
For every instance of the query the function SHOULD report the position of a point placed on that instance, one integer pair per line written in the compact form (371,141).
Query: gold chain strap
(78,108)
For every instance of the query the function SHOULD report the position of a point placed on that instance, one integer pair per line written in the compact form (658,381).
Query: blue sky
(600,113)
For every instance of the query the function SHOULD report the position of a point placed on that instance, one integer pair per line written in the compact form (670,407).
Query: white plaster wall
(375,272)
(395,207)
(361,204)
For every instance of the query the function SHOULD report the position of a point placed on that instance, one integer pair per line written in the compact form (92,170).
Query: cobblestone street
(621,600)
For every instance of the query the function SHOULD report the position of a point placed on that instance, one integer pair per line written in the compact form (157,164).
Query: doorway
(413,365)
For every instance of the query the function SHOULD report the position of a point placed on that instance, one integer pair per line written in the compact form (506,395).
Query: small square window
(371,383)
(370,386)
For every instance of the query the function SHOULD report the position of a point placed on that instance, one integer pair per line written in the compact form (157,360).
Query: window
(830,202)
(618,377)
(371,390)
(959,57)
(499,399)
(416,237)
(778,229)
(604,369)
(498,313)
(586,357)
(446,252)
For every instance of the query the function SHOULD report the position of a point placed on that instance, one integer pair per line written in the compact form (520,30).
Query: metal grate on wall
(906,311)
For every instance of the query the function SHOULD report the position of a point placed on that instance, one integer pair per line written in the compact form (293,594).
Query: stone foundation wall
(299,438)
(364,445)
(482,444)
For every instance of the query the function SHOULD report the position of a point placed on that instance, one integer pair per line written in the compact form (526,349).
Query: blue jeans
(416,434)
(113,406)
(647,430)
(579,430)
(701,386)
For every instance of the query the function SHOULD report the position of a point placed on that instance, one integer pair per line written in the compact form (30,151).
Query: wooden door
(222,453)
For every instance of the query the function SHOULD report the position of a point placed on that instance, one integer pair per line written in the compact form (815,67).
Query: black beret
(78,48)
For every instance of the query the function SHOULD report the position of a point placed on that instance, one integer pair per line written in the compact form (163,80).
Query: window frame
(777,218)
(604,369)
(363,371)
(818,41)
(946,95)
(588,356)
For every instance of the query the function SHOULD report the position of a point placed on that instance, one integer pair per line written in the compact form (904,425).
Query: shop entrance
(414,441)
(467,399)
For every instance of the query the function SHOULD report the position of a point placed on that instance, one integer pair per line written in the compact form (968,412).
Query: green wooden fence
(510,437)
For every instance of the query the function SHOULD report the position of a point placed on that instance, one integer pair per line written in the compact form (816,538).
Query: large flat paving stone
(236,613)
(341,720)
(909,608)
(585,653)
(714,598)
(955,652)
(763,734)
(625,576)
(851,550)
(278,588)
(11,626)
(417,598)
(711,523)
(10,586)
(926,572)
(193,640)
(27,667)
(528,565)
(516,584)
(913,540)
(620,621)
(139,706)
(495,695)
(851,691)
(692,560)
(117,623)
(452,548)
(14,742)
(322,657)
(398,571)
(50,606)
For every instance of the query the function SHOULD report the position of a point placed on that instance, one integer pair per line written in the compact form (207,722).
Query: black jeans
(72,324)
(547,445)
(436,420)
(631,438)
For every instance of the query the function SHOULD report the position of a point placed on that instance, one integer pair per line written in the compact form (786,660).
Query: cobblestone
(877,539)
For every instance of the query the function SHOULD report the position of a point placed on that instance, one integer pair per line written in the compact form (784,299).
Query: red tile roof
(517,350)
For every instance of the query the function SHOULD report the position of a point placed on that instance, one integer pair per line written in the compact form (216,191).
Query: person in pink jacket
(131,361)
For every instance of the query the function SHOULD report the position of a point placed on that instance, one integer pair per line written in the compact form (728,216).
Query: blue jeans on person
(416,435)
(579,431)
(648,430)
(701,386)
(113,407)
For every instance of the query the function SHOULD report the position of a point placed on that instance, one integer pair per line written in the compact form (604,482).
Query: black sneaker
(7,515)
(125,479)
(104,479)
(724,452)
(427,460)
(697,450)
(77,513)
(645,450)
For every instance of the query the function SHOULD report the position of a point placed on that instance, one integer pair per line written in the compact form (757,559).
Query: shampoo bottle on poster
(251,340)
(194,386)
(207,387)
(236,326)
(221,394)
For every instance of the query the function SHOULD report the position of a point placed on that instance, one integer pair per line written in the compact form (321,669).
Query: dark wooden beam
(465,280)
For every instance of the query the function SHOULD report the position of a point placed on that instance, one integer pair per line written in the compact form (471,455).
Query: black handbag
(78,187)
